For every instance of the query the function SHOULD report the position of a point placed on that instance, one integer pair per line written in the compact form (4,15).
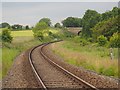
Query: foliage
(5,25)
(72,22)
(14,50)
(39,35)
(68,34)
(39,30)
(115,41)
(106,28)
(16,27)
(90,19)
(57,25)
(89,57)
(27,27)
(6,37)
(46,20)
(110,14)
(40,26)
(102,40)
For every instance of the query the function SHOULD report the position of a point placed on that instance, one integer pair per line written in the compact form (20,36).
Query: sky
(29,13)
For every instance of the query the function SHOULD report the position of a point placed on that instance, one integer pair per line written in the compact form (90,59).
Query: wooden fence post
(111,54)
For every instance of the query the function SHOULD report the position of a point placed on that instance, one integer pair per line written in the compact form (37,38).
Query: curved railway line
(51,75)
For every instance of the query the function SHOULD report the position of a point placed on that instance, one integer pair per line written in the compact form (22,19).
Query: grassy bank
(0,63)
(90,57)
(9,53)
(22,40)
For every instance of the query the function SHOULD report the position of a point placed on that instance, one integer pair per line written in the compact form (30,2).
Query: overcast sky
(29,13)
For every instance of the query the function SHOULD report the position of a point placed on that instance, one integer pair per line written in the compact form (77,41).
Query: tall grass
(0,63)
(90,57)
(10,52)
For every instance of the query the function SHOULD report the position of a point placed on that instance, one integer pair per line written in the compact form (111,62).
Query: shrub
(68,34)
(83,42)
(90,39)
(40,27)
(102,40)
(39,30)
(115,41)
(6,37)
(39,35)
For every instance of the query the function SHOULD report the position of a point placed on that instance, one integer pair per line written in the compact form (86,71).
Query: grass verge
(90,57)
(10,51)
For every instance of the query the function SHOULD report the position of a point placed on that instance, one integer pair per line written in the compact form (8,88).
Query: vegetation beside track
(90,57)
(22,40)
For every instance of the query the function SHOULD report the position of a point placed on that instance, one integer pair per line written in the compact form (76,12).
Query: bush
(68,34)
(80,40)
(102,40)
(39,30)
(40,27)
(83,42)
(39,35)
(115,41)
(6,37)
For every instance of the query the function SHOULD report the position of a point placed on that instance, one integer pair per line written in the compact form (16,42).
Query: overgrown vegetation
(10,51)
(22,40)
(6,36)
(90,57)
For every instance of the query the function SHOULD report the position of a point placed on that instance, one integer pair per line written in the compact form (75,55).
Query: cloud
(31,12)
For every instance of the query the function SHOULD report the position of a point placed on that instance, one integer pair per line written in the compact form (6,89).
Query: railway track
(50,75)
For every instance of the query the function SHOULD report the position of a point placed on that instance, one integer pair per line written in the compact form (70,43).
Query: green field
(22,33)
(90,57)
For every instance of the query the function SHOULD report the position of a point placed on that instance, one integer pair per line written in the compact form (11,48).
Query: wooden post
(111,54)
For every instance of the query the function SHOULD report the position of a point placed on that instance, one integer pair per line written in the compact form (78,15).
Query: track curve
(50,75)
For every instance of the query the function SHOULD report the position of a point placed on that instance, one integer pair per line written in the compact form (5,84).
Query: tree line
(14,27)
(96,27)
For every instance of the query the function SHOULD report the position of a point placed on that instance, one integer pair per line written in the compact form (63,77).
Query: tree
(5,25)
(40,26)
(90,19)
(72,22)
(27,27)
(57,25)
(46,20)
(6,37)
(106,28)
(16,27)
(109,14)
(115,40)
(102,40)
(39,29)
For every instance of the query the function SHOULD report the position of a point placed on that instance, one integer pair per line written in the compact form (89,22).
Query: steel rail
(55,64)
(60,67)
(40,82)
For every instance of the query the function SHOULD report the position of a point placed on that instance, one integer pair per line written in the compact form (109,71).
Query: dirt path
(20,75)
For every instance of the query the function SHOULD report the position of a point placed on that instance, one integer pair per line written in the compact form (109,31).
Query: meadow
(89,57)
